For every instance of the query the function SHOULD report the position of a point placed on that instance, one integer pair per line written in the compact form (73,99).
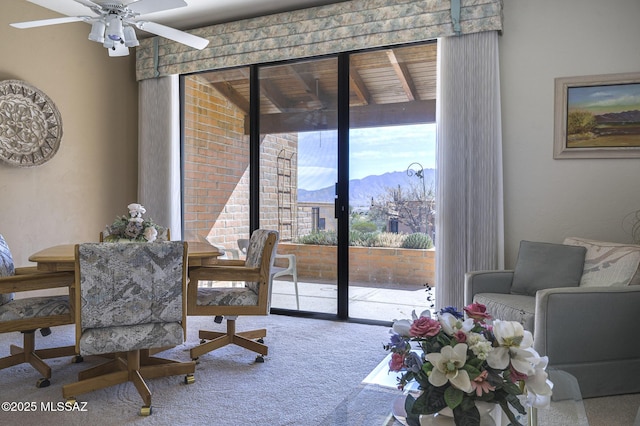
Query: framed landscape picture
(597,116)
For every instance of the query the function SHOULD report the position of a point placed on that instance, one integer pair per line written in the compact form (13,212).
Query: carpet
(311,367)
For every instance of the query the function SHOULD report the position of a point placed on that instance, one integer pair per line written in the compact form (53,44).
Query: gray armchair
(582,325)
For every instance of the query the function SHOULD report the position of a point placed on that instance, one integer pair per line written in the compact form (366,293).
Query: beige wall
(547,199)
(93,176)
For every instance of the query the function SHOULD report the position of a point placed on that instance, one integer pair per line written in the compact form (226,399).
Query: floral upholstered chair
(130,300)
(230,302)
(30,313)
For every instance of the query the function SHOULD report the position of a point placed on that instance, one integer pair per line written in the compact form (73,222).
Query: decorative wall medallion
(30,125)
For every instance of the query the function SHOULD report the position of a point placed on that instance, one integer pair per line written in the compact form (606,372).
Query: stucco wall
(93,176)
(547,199)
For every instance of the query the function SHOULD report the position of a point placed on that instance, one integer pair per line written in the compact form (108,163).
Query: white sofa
(583,320)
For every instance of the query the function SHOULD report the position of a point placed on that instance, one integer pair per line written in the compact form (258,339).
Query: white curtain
(159,152)
(469,201)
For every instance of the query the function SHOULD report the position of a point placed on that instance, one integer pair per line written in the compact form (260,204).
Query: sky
(373,151)
(598,99)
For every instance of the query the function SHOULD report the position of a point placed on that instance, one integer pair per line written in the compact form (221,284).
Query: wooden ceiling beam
(404,76)
(377,115)
(227,90)
(359,87)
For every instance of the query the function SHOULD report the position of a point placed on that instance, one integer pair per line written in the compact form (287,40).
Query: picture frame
(597,116)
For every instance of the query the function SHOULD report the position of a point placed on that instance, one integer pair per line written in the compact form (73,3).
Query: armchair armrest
(586,324)
(225,272)
(496,281)
(36,281)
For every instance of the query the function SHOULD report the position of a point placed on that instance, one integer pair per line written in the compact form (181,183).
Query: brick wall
(216,182)
(390,266)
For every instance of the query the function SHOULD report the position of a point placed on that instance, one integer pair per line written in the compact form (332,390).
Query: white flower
(538,385)
(448,365)
(402,327)
(514,346)
(150,234)
(425,313)
(479,345)
(450,324)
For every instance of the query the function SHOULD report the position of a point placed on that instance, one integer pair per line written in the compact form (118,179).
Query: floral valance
(330,29)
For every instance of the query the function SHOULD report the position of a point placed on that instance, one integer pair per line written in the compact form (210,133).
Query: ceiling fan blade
(44,22)
(173,34)
(149,6)
(89,4)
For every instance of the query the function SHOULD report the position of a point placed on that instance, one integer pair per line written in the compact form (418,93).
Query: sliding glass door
(337,154)
(298,174)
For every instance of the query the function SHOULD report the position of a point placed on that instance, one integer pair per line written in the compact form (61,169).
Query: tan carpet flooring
(311,367)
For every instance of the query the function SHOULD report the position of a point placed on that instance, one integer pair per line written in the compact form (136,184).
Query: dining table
(62,257)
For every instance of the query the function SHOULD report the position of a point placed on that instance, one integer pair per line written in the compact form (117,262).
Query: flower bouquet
(134,227)
(458,362)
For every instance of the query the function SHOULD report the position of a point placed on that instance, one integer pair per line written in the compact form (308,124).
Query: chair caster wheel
(261,340)
(77,359)
(145,410)
(189,379)
(202,341)
(43,383)
(260,359)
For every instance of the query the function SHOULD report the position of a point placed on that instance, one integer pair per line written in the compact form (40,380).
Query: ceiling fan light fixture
(97,31)
(115,29)
(130,39)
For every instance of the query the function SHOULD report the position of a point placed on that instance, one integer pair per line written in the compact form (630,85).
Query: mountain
(362,190)
(619,117)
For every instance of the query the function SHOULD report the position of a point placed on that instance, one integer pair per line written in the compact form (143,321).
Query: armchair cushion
(6,268)
(227,296)
(34,307)
(608,264)
(98,341)
(510,307)
(546,265)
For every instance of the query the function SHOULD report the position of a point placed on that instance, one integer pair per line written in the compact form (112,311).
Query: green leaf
(453,397)
(430,401)
(469,417)
(473,371)
(413,419)
(509,414)
(511,388)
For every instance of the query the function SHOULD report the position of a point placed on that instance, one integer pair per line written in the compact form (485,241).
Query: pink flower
(516,376)
(480,384)
(460,336)
(477,311)
(397,362)
(425,327)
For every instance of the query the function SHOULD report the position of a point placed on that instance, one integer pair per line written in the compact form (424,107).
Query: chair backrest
(129,284)
(7,268)
(261,254)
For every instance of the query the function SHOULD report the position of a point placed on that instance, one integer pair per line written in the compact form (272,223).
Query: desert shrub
(579,122)
(418,240)
(362,239)
(321,238)
(389,239)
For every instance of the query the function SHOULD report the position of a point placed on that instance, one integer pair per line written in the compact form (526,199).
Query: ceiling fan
(113,23)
